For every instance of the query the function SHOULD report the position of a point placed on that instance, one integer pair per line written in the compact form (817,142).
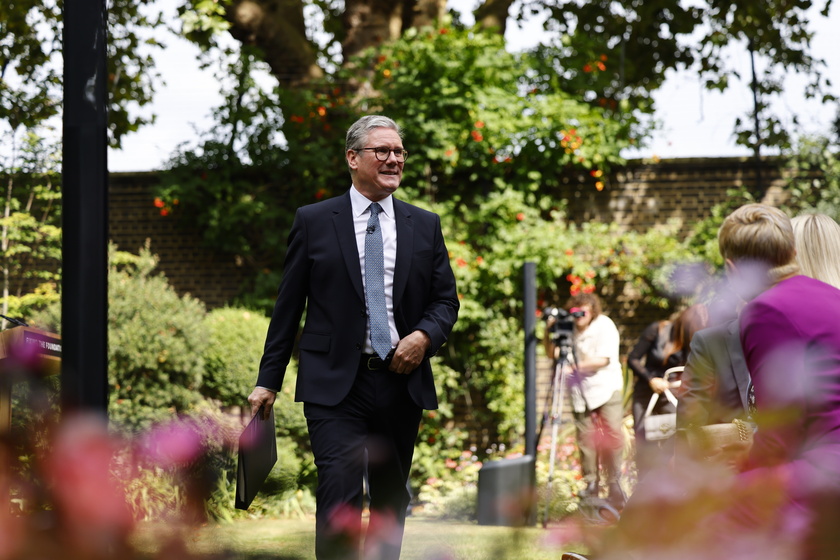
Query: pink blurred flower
(346,520)
(90,500)
(383,530)
(172,444)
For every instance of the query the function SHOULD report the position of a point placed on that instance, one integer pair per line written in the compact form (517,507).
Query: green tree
(611,54)
(31,64)
(813,172)
(30,236)
(619,52)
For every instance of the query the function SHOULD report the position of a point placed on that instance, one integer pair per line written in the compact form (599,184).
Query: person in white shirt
(596,385)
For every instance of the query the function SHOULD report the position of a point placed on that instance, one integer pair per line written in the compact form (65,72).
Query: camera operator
(595,383)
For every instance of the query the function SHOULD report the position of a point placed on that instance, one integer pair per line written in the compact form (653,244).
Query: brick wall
(639,196)
(645,194)
(190,267)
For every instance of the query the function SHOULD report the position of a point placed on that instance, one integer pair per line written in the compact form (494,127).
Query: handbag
(720,435)
(659,427)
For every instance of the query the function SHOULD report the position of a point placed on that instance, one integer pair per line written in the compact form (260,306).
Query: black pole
(530,302)
(530,322)
(84,282)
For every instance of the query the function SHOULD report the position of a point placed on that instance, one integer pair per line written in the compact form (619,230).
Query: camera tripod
(564,358)
(595,508)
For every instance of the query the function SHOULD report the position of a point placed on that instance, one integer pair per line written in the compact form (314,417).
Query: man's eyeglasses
(382,153)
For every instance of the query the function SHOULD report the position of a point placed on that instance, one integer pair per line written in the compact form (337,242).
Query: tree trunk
(369,23)
(425,12)
(277,27)
(493,14)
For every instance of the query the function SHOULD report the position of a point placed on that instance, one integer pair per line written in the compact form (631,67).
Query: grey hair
(358,132)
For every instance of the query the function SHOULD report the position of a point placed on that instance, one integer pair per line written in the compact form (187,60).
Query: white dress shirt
(388,224)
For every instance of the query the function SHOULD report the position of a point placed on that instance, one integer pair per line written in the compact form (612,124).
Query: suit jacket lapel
(737,360)
(405,248)
(344,233)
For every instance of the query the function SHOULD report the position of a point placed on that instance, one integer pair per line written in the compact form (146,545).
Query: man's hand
(410,352)
(264,398)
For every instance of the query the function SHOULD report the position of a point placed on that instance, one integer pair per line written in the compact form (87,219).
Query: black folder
(257,455)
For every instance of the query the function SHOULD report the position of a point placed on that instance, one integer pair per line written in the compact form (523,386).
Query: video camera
(564,323)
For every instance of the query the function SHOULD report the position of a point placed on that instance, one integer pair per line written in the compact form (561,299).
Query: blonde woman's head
(817,239)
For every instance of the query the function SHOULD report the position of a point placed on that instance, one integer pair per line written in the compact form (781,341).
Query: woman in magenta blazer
(790,335)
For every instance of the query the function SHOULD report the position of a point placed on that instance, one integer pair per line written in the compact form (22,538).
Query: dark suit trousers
(372,431)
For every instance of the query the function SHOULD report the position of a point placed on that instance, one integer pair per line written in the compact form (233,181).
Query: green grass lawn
(425,539)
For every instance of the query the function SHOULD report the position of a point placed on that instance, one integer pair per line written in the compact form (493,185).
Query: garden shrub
(235,345)
(156,346)
(156,342)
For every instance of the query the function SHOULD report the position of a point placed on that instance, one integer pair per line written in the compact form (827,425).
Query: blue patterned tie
(380,333)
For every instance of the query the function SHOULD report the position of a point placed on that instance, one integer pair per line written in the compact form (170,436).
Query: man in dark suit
(716,379)
(380,299)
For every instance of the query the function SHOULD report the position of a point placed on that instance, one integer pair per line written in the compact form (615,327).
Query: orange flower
(599,185)
(479,260)
(588,289)
(444,31)
(569,252)
(574,290)
(158,203)
(461,262)
(601,66)
(386,73)
(322,111)
(164,212)
(603,58)
(590,274)
(520,216)
(479,124)
(587,68)
(476,135)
